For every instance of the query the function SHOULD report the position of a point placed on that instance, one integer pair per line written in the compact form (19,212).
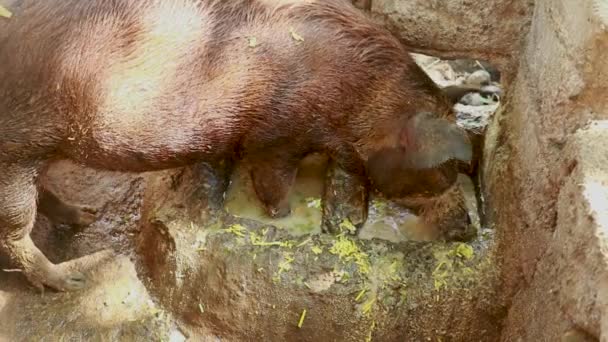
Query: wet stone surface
(238,275)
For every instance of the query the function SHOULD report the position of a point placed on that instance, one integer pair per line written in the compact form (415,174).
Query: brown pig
(142,85)
(432,192)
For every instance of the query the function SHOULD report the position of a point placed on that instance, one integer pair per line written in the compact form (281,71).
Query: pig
(144,85)
(424,186)
(432,193)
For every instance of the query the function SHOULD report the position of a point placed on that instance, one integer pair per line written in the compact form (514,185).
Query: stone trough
(243,278)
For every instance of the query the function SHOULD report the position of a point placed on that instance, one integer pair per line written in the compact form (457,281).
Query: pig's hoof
(63,279)
(79,216)
(279,212)
(329,227)
(58,278)
(84,216)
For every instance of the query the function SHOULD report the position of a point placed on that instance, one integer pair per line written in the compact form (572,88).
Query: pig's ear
(429,141)
(455,93)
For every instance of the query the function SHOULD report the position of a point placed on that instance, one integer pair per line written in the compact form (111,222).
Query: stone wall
(546,155)
(485,30)
(546,176)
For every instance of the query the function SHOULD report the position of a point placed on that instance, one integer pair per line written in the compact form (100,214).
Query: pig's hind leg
(18,196)
(61,212)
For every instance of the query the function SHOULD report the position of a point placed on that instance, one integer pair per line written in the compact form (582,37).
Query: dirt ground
(115,302)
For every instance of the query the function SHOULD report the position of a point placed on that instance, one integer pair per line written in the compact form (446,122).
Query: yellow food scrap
(285,265)
(4,12)
(360,295)
(301,321)
(348,226)
(371,331)
(393,270)
(439,284)
(439,267)
(348,250)
(467,271)
(380,206)
(316,249)
(439,275)
(464,251)
(451,266)
(344,247)
(304,242)
(252,41)
(367,306)
(294,35)
(201,308)
(237,230)
(363,264)
(257,240)
(343,277)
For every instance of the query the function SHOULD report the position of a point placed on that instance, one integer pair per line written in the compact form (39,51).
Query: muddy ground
(207,278)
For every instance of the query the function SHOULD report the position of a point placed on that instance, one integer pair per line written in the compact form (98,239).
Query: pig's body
(145,85)
(141,85)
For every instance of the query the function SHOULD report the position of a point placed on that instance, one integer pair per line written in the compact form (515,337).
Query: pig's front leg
(214,179)
(346,192)
(345,199)
(272,179)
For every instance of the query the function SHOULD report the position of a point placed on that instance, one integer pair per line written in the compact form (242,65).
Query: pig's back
(133,81)
(143,82)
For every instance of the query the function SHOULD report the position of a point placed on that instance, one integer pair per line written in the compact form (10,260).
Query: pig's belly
(140,125)
(152,142)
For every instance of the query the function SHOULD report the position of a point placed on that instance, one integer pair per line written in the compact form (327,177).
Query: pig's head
(417,162)
(418,156)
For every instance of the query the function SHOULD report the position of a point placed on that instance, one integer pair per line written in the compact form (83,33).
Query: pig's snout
(458,228)
(445,215)
(277,213)
(395,179)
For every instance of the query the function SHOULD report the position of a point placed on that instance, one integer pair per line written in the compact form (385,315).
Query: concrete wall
(546,176)
(546,155)
(486,30)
